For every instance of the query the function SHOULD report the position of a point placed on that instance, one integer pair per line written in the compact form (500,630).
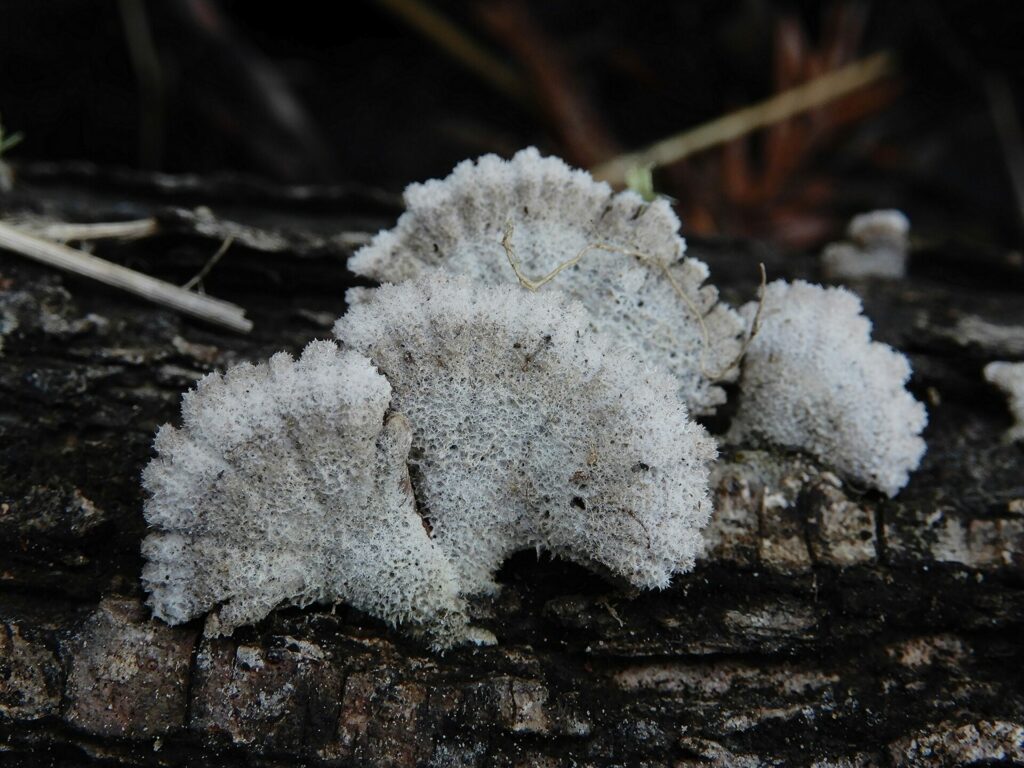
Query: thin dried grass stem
(461,47)
(209,265)
(111,230)
(733,125)
(150,288)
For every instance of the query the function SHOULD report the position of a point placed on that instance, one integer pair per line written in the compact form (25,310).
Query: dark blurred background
(384,93)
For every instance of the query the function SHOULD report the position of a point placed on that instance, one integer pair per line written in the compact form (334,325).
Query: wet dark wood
(826,625)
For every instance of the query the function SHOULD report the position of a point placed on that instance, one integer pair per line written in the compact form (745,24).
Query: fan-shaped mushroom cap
(457,225)
(813,380)
(286,486)
(530,430)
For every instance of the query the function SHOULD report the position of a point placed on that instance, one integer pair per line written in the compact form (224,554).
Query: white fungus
(285,485)
(1009,377)
(529,430)
(813,380)
(878,247)
(468,418)
(556,214)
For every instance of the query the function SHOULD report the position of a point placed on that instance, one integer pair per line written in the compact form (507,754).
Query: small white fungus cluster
(1009,377)
(813,380)
(286,486)
(530,431)
(457,226)
(878,247)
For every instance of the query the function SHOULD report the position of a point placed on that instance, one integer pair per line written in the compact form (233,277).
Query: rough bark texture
(826,626)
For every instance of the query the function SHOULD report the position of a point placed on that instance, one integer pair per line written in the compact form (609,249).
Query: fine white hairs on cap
(621,257)
(529,430)
(814,380)
(285,485)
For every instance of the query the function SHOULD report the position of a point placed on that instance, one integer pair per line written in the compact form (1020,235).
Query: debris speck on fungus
(530,430)
(457,226)
(814,380)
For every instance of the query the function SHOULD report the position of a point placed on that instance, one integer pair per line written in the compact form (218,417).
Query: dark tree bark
(825,626)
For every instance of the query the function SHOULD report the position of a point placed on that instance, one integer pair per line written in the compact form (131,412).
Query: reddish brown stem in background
(584,137)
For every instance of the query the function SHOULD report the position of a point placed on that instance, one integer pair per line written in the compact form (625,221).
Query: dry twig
(812,94)
(583,134)
(1011,138)
(148,72)
(63,232)
(461,47)
(81,263)
(209,265)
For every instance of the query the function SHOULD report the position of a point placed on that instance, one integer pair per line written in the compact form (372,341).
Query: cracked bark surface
(825,626)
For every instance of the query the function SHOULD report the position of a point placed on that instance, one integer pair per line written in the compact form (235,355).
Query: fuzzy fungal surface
(286,485)
(631,263)
(530,430)
(814,380)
